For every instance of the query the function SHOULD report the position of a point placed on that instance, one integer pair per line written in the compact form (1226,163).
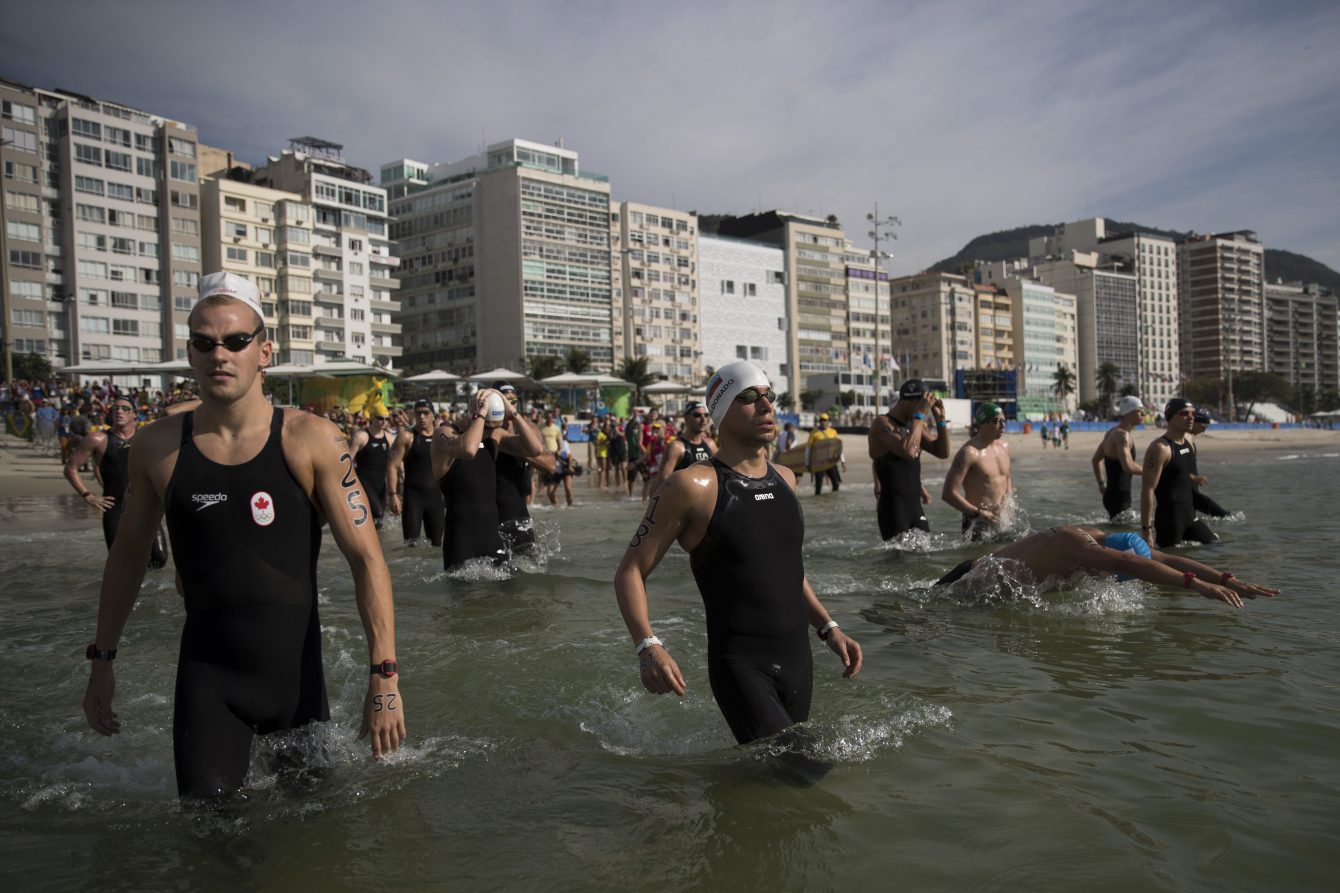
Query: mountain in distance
(1009,244)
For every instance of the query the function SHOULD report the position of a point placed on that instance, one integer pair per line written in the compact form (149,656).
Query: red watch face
(387,668)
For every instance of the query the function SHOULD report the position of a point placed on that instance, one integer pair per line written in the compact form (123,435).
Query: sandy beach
(27,471)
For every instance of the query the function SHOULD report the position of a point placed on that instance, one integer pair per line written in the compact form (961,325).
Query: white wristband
(647,643)
(827,628)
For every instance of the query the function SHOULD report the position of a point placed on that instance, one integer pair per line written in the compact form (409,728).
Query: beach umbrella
(516,379)
(434,376)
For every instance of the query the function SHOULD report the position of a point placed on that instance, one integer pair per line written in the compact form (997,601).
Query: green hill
(1013,243)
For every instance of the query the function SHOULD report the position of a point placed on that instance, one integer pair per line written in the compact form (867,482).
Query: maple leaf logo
(262,504)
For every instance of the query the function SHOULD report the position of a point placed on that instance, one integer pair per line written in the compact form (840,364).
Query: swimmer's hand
(1215,591)
(925,496)
(1199,480)
(660,673)
(1250,590)
(98,699)
(845,647)
(102,503)
(383,716)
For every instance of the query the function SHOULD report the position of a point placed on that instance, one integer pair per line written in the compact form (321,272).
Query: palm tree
(578,361)
(1109,374)
(634,371)
(544,366)
(1063,382)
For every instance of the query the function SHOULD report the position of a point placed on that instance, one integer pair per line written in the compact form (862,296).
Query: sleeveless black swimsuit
(1174,503)
(421,508)
(693,452)
(115,472)
(899,507)
(751,575)
(246,539)
(371,462)
(470,492)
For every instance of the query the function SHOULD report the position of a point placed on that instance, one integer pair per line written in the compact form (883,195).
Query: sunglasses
(120,408)
(753,395)
(423,412)
(235,343)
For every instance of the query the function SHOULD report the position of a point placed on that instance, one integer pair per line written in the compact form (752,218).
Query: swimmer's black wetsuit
(693,452)
(470,490)
(114,469)
(899,506)
(1174,505)
(421,508)
(749,570)
(1206,505)
(1117,496)
(246,538)
(371,462)
(514,484)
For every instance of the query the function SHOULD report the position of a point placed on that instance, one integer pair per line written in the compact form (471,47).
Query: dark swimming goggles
(235,343)
(752,395)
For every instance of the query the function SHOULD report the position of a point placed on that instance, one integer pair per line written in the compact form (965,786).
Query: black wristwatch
(387,668)
(92,653)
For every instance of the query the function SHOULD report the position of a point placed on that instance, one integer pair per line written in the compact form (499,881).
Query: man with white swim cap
(740,521)
(1060,552)
(1114,459)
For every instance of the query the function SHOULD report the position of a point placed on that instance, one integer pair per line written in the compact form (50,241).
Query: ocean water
(1106,737)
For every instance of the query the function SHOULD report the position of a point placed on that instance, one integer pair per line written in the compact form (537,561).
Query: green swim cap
(987,411)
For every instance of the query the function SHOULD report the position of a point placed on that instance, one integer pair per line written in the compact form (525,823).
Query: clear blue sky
(961,118)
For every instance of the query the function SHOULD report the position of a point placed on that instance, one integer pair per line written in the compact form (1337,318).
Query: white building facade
(743,305)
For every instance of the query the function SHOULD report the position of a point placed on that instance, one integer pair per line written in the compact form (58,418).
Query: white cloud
(960,118)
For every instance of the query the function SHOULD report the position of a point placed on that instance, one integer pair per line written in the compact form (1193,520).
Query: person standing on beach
(245,487)
(982,470)
(818,436)
(1114,460)
(740,521)
(914,424)
(1205,505)
(1167,502)
(109,451)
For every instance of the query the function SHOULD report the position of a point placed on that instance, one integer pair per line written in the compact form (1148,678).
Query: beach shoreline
(27,471)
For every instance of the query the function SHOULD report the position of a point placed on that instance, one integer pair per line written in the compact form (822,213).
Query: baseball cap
(986,412)
(912,389)
(423,404)
(823,416)
(231,285)
(1129,404)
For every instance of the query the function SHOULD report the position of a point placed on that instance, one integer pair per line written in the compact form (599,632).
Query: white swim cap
(727,382)
(495,409)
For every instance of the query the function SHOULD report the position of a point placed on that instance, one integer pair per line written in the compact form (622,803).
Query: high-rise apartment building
(994,322)
(1106,315)
(1151,258)
(336,292)
(1222,293)
(934,325)
(832,292)
(656,293)
(1303,336)
(101,251)
(743,305)
(505,256)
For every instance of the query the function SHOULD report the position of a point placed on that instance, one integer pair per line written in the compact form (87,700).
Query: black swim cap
(1175,405)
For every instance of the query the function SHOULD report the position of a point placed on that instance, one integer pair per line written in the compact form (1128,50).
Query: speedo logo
(758,496)
(205,500)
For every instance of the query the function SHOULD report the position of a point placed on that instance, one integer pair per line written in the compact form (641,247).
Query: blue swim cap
(1127,542)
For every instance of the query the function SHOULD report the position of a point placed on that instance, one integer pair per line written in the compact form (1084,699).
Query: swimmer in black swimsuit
(245,487)
(914,424)
(693,446)
(420,507)
(1205,504)
(1166,483)
(465,461)
(110,453)
(515,479)
(740,521)
(372,457)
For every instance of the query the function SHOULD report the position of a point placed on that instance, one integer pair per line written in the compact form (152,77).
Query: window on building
(237,254)
(17,111)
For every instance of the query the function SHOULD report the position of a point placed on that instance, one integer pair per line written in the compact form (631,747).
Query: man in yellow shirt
(818,436)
